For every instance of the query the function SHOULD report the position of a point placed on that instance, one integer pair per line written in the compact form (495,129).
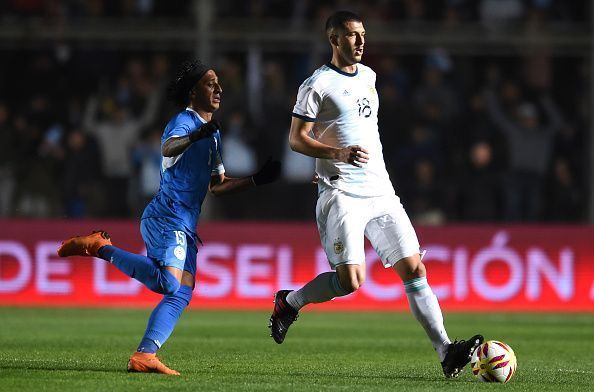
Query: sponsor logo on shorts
(338,246)
(179,252)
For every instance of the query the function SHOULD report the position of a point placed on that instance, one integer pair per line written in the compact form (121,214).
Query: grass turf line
(87,349)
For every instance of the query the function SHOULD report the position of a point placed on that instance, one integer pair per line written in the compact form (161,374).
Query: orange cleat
(148,363)
(84,246)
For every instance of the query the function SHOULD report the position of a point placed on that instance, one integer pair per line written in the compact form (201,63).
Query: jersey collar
(335,68)
(196,113)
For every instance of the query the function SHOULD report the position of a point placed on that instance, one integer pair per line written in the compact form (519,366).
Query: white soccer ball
(493,361)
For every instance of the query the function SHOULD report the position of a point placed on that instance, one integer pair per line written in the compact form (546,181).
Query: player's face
(207,92)
(351,42)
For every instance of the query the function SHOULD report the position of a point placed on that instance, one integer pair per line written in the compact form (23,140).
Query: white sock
(322,288)
(425,307)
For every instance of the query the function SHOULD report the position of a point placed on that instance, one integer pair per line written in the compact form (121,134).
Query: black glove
(205,130)
(269,172)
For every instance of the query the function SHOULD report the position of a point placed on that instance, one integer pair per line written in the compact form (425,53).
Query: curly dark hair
(179,88)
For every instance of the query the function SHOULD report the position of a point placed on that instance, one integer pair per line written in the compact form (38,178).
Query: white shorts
(343,220)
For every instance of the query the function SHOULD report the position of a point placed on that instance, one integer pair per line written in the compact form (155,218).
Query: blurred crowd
(448,11)
(466,138)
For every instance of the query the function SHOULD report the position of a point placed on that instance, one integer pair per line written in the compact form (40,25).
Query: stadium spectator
(434,90)
(529,140)
(146,157)
(116,134)
(82,193)
(564,196)
(427,194)
(238,155)
(273,124)
(235,87)
(36,194)
(479,187)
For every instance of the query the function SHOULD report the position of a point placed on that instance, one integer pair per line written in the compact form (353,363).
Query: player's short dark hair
(189,73)
(338,19)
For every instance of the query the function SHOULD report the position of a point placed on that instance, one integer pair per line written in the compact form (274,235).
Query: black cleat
(282,316)
(459,354)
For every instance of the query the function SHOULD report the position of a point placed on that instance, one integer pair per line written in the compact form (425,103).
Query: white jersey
(344,108)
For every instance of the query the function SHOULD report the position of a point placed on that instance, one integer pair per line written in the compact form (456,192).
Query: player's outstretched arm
(176,145)
(269,172)
(301,142)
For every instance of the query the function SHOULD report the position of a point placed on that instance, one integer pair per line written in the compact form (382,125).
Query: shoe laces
(456,347)
(459,343)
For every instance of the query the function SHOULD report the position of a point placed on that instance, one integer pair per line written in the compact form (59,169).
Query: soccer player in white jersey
(335,121)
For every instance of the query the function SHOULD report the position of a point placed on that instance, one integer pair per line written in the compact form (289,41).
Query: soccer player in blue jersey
(335,121)
(191,165)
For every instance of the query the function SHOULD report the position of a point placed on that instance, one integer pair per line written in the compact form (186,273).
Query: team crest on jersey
(338,246)
(179,252)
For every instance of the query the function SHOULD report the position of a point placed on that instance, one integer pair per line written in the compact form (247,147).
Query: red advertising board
(241,265)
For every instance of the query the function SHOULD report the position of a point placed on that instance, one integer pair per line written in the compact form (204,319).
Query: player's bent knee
(168,284)
(351,278)
(410,268)
(188,280)
(169,288)
(352,285)
(419,270)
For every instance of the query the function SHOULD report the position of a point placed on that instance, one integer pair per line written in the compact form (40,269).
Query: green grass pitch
(87,350)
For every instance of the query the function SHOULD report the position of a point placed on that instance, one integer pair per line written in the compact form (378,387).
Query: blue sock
(163,319)
(142,268)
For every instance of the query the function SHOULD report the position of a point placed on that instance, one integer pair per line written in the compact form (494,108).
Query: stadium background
(507,221)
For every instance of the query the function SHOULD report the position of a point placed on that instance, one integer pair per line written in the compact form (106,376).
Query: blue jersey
(185,177)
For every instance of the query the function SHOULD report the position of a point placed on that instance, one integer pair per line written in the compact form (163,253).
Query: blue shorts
(169,244)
